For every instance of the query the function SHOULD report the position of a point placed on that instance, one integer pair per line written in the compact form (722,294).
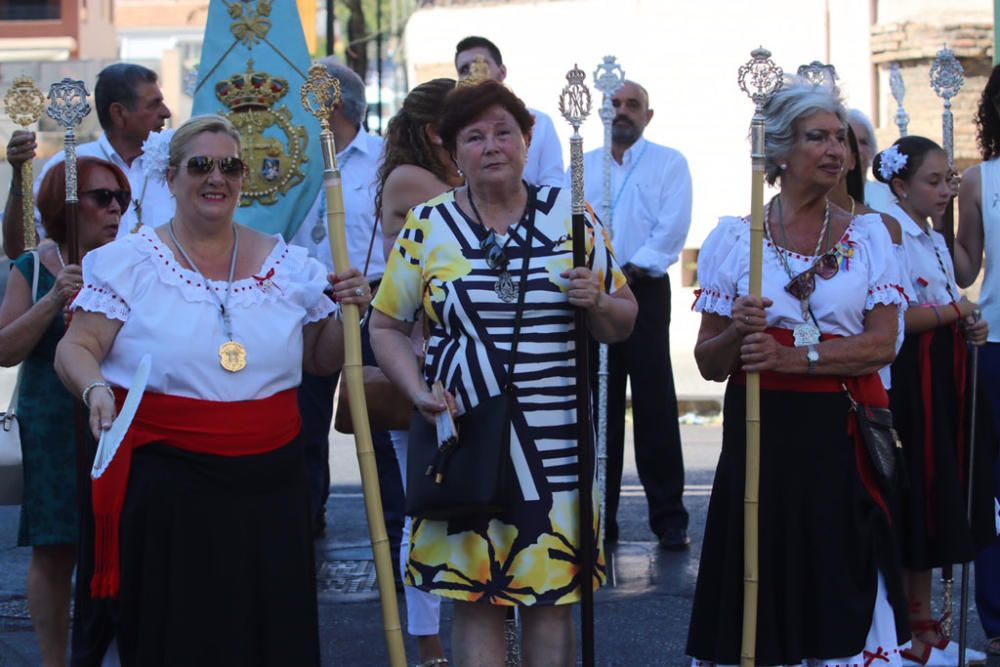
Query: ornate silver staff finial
(608,78)
(68,106)
(947,78)
(819,74)
(574,105)
(760,78)
(898,89)
(574,101)
(68,103)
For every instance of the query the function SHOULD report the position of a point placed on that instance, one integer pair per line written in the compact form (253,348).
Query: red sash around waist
(865,389)
(238,428)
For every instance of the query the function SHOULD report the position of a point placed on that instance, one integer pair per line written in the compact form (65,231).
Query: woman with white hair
(830,587)
(877,194)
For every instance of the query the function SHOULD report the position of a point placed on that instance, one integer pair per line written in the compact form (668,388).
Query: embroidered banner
(252,66)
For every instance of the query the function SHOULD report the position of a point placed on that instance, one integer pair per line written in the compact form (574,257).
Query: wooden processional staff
(759,79)
(319,95)
(24,103)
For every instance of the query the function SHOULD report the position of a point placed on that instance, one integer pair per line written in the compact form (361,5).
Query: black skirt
(217,561)
(935,527)
(823,538)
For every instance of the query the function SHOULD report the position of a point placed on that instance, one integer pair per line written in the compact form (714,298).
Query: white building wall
(687,55)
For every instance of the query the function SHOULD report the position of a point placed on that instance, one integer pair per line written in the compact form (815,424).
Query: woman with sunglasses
(203,525)
(415,168)
(930,398)
(31,324)
(457,262)
(830,589)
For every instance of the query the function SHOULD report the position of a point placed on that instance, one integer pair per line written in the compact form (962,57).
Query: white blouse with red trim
(167,311)
(868,276)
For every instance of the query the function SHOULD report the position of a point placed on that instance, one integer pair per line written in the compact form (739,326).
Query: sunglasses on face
(495,257)
(803,285)
(103,197)
(202,165)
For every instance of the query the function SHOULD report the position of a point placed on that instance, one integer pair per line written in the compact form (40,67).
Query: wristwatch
(812,356)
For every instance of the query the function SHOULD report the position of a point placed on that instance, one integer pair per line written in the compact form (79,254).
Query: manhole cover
(347,577)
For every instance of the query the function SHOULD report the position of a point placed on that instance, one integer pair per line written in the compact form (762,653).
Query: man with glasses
(545,159)
(651,214)
(129,105)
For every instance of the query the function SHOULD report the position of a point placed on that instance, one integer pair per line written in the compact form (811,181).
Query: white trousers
(423,610)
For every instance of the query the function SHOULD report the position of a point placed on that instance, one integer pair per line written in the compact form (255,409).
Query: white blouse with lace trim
(868,275)
(168,312)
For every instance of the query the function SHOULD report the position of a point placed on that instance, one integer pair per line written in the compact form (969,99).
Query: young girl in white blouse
(930,395)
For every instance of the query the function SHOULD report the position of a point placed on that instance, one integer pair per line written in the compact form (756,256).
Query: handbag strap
(371,242)
(522,289)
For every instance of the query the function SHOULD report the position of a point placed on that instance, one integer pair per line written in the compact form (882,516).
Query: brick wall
(914,45)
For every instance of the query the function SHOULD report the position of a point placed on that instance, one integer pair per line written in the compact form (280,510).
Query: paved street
(641,620)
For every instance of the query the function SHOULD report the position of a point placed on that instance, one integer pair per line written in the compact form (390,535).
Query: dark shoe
(675,539)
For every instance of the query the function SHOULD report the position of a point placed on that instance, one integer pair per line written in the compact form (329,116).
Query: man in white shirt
(651,215)
(129,105)
(359,156)
(545,161)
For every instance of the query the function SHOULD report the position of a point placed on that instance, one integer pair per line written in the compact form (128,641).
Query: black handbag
(472,475)
(884,447)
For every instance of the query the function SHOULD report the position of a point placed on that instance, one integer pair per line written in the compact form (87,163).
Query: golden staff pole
(326,91)
(759,78)
(24,103)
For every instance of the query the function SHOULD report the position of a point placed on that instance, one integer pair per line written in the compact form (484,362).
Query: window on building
(29,10)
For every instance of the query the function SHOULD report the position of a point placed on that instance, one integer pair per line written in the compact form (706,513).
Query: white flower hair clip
(156,154)
(893,162)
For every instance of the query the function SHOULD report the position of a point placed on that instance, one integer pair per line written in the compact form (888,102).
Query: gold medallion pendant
(232,356)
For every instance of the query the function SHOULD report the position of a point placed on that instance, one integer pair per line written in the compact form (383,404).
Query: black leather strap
(522,288)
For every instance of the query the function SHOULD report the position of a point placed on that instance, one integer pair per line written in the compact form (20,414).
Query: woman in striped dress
(457,259)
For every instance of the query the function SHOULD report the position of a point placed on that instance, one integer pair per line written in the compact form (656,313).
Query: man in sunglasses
(129,106)
(358,156)
(651,215)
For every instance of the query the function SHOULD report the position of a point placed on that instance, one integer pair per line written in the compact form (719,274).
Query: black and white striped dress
(529,554)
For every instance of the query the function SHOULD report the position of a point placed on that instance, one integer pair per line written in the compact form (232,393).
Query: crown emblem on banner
(274,147)
(251,89)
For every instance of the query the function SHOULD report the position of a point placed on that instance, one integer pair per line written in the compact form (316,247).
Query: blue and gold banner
(253,62)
